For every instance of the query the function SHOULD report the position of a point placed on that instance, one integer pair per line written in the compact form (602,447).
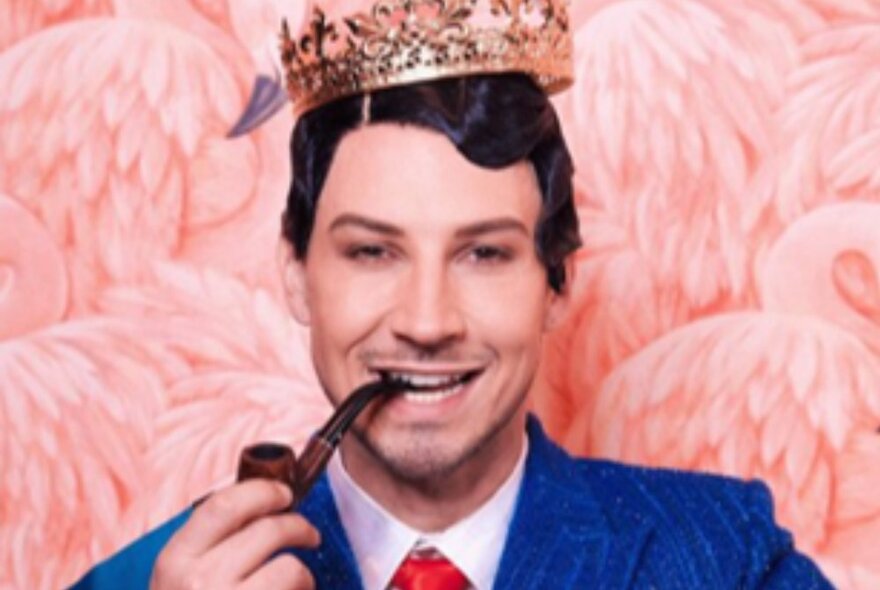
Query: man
(428,227)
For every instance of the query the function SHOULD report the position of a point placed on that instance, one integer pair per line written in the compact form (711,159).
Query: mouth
(427,388)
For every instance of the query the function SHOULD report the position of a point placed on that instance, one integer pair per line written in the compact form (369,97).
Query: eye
(488,254)
(367,252)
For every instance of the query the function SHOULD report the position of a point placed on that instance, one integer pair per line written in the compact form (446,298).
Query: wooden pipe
(279,462)
(270,461)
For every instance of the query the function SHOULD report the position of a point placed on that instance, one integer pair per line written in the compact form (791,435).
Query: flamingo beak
(268,96)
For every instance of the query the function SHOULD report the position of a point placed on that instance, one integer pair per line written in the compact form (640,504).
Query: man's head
(429,228)
(493,121)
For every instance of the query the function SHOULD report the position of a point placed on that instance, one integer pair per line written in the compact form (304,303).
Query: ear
(293,277)
(559,303)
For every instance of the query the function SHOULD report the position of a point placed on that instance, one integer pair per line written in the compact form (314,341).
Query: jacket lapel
(560,536)
(333,564)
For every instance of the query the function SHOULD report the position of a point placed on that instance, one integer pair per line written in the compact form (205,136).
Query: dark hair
(493,120)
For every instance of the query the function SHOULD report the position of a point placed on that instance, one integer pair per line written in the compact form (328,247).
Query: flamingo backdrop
(727,301)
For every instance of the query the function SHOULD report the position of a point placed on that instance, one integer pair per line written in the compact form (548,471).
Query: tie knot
(428,569)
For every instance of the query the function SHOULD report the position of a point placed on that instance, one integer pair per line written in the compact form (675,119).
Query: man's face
(422,264)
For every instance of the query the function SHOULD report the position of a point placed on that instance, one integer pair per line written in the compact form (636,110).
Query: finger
(285,572)
(227,511)
(246,550)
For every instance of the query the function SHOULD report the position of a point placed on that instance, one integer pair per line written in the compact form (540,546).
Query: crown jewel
(406,41)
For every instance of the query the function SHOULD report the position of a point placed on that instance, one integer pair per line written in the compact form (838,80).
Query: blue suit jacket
(578,524)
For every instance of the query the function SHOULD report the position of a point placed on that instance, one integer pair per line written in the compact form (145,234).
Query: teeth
(422,380)
(434,396)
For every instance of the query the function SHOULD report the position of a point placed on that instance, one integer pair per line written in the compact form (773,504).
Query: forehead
(413,176)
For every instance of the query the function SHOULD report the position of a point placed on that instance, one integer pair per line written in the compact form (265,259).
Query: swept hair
(493,120)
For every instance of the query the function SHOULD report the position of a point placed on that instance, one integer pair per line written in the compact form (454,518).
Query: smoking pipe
(277,461)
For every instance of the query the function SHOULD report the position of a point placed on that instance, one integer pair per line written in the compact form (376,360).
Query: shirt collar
(380,541)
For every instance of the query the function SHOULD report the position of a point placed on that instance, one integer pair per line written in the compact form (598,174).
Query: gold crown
(405,41)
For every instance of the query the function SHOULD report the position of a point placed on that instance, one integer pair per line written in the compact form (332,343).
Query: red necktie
(428,570)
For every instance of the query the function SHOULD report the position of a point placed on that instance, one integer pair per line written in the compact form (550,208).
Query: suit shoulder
(132,567)
(676,496)
(725,524)
(672,481)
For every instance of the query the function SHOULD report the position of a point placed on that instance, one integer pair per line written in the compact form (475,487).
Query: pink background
(727,298)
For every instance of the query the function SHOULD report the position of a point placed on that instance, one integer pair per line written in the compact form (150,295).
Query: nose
(427,314)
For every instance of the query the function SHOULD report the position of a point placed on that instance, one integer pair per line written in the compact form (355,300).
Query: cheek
(345,307)
(509,314)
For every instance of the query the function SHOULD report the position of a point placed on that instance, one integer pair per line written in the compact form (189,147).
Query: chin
(422,469)
(417,457)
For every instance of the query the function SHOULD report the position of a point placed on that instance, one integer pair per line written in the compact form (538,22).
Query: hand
(229,540)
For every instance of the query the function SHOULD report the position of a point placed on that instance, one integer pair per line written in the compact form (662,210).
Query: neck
(434,504)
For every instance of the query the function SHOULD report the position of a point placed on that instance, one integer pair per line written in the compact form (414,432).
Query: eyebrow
(491,226)
(374,225)
(470,231)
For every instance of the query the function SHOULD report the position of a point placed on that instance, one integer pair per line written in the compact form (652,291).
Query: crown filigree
(405,41)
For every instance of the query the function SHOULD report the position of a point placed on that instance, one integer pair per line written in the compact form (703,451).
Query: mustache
(423,354)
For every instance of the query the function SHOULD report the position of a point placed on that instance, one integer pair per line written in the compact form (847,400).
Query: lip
(409,407)
(462,373)
(422,369)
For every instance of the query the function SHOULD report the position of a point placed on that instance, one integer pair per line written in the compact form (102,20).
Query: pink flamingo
(832,11)
(30,263)
(122,167)
(679,190)
(801,16)
(71,446)
(670,118)
(131,163)
(71,449)
(159,392)
(59,386)
(245,375)
(787,393)
(20,18)
(809,16)
(828,129)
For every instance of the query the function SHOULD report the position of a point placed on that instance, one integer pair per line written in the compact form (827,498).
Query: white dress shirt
(381,542)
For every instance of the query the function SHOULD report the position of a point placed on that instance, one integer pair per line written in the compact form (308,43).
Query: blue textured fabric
(581,524)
